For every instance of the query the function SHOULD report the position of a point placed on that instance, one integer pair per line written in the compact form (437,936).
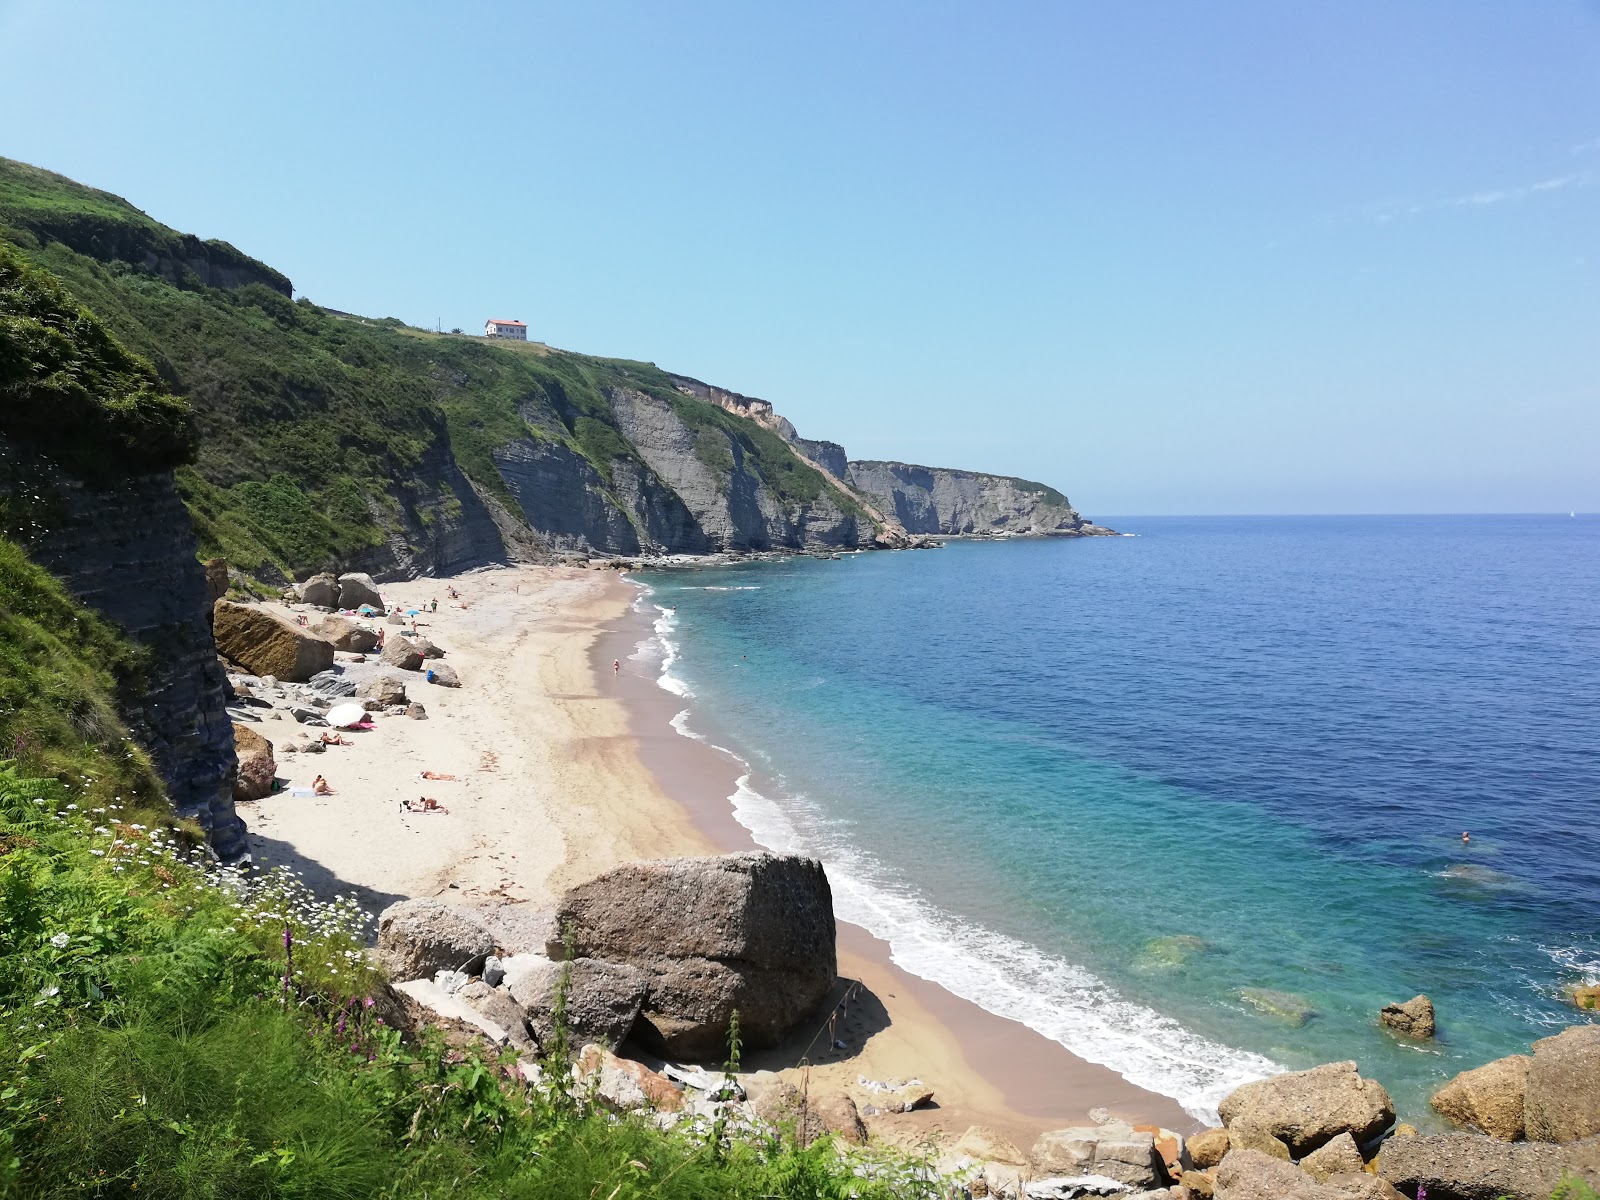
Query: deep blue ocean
(1190,801)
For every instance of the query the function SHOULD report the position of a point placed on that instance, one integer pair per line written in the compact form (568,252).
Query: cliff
(937,500)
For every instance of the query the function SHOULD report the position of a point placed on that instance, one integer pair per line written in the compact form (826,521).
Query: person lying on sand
(335,739)
(423,804)
(319,787)
(434,775)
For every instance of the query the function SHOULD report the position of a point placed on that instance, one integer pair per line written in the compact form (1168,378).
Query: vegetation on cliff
(166,1033)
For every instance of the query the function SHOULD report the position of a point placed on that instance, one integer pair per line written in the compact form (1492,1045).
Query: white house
(515,330)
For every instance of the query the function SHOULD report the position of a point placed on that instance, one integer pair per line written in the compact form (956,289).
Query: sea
(1190,800)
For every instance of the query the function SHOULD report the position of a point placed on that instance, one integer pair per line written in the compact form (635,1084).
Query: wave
(664,625)
(749,587)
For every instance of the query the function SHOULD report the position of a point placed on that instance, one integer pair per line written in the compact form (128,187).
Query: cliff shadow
(269,852)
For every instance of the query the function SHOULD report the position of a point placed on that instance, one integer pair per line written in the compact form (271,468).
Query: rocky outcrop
(1414,1018)
(1114,1150)
(1306,1109)
(1563,1098)
(1332,1158)
(128,551)
(356,588)
(936,500)
(417,938)
(1466,1166)
(752,932)
(263,643)
(1251,1175)
(1489,1098)
(257,767)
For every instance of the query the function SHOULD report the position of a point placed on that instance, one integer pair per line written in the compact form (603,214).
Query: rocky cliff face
(129,552)
(936,500)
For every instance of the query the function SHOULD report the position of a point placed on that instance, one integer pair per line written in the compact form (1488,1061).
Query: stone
(396,618)
(1208,1148)
(265,644)
(331,685)
(426,648)
(315,745)
(624,1085)
(346,634)
(1169,953)
(1287,1007)
(1169,1145)
(1252,1175)
(356,589)
(216,579)
(1585,995)
(1306,1109)
(752,932)
(496,1004)
(1115,1150)
(1471,1166)
(1331,1158)
(306,715)
(809,1118)
(979,1141)
(1201,1185)
(257,767)
(320,590)
(1563,1098)
(603,999)
(416,711)
(443,674)
(1248,1136)
(494,971)
(518,929)
(1489,1098)
(1359,1185)
(1413,1019)
(385,689)
(895,1095)
(418,938)
(398,651)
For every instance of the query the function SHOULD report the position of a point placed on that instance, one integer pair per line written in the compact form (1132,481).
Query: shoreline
(564,771)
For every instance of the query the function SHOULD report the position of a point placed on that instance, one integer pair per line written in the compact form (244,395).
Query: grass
(161,1036)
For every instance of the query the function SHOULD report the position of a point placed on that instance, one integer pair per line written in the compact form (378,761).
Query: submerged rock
(1287,1007)
(1169,953)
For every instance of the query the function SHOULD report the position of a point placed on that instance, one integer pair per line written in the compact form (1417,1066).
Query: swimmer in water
(1466,838)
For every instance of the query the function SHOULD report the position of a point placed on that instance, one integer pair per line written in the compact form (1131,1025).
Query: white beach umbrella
(342,716)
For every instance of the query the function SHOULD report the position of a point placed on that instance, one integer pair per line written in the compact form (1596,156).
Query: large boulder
(1305,1109)
(603,999)
(426,648)
(257,767)
(398,651)
(1469,1166)
(345,634)
(1332,1158)
(320,590)
(1208,1148)
(1489,1098)
(1563,1100)
(1115,1150)
(1414,1018)
(1585,995)
(747,932)
(385,689)
(356,589)
(443,674)
(263,643)
(1251,1175)
(417,938)
(811,1116)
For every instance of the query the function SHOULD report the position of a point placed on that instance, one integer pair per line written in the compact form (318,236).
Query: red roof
(495,321)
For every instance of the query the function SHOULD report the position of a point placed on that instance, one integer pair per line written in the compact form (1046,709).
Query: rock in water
(265,644)
(257,767)
(1285,1006)
(1467,1166)
(1414,1018)
(417,938)
(356,589)
(320,590)
(603,1000)
(752,932)
(1489,1098)
(1585,995)
(1306,1109)
(399,652)
(1115,1150)
(1563,1100)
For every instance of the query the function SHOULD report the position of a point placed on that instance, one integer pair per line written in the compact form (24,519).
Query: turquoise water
(1189,802)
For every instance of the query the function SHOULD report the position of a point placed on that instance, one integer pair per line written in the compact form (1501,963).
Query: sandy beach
(564,770)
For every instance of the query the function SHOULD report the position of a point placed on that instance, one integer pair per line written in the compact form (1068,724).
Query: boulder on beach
(1251,1175)
(442,674)
(1563,1097)
(749,932)
(1115,1150)
(810,1117)
(418,938)
(385,689)
(357,588)
(1489,1098)
(1307,1109)
(257,767)
(1469,1166)
(345,634)
(623,1085)
(1414,1018)
(426,648)
(603,999)
(264,643)
(320,590)
(399,651)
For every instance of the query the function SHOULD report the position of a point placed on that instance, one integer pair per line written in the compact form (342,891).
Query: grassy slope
(320,434)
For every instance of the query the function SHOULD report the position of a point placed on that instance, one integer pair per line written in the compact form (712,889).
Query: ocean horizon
(1189,802)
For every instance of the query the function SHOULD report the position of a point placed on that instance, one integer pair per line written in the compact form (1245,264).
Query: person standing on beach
(616,666)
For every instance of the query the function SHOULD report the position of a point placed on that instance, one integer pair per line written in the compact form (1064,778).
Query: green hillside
(322,435)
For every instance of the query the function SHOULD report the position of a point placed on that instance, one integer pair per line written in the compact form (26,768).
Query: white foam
(1010,978)
(664,625)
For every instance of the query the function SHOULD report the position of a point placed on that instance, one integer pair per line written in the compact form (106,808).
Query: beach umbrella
(343,716)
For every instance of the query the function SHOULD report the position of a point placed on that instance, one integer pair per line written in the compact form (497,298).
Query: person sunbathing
(423,804)
(335,739)
(319,787)
(436,775)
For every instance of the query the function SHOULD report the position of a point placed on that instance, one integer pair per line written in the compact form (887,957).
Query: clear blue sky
(1279,256)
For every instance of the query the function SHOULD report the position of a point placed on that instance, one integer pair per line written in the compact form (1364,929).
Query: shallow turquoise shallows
(1190,802)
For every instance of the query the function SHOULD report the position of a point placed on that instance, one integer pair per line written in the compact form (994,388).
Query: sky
(1268,257)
